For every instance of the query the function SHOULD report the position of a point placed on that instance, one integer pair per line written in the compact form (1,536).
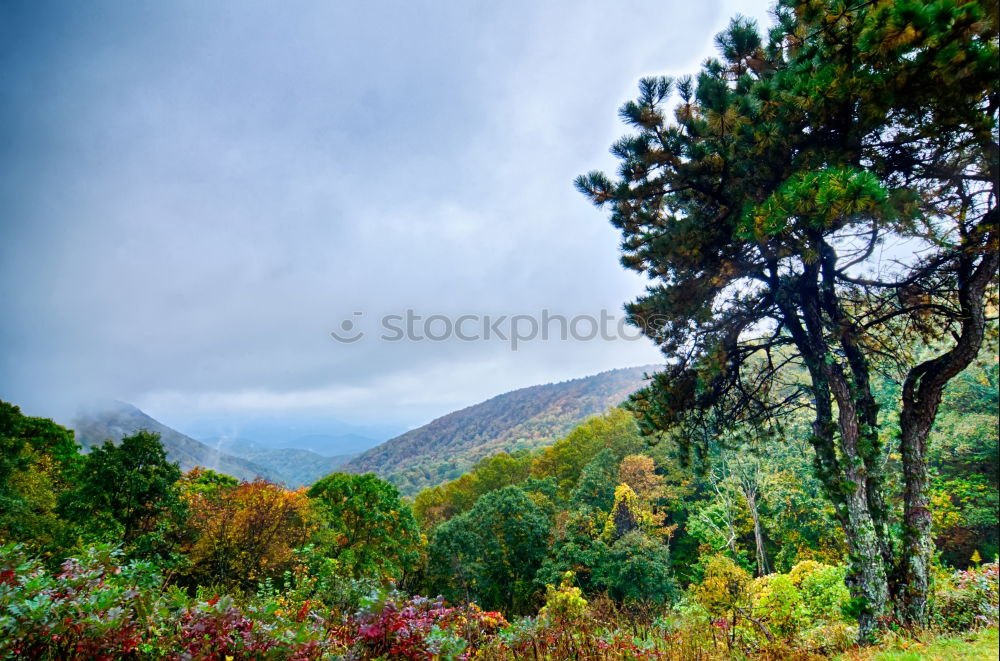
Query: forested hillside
(756,501)
(523,419)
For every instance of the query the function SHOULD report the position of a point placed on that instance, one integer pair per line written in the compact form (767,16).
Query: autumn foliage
(246,532)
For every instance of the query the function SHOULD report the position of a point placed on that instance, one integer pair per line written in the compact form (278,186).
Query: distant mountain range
(116,420)
(242,459)
(440,450)
(522,419)
(324,435)
(297,466)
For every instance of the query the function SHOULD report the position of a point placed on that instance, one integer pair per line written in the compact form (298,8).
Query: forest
(812,472)
(606,544)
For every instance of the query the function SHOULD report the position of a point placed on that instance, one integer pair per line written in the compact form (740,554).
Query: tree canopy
(366,527)
(823,198)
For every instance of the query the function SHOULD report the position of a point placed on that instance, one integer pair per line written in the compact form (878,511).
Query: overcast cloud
(195,194)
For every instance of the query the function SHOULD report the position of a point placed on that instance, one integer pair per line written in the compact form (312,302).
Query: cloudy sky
(196,194)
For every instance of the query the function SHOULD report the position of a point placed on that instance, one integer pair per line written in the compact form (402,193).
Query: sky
(196,195)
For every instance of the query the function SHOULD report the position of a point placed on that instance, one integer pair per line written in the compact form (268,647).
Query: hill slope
(116,420)
(522,419)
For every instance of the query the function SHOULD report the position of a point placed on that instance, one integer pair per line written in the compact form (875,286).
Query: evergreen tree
(762,210)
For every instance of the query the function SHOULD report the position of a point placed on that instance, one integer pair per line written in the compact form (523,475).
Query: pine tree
(762,211)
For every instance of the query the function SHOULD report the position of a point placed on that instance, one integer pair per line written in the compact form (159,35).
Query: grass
(972,647)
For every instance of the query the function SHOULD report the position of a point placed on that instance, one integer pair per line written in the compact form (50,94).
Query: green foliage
(38,462)
(778,606)
(824,594)
(491,553)
(127,494)
(637,570)
(207,483)
(757,207)
(963,453)
(595,487)
(367,528)
(577,548)
(565,460)
(437,504)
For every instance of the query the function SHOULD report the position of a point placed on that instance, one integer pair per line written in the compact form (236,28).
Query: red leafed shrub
(86,611)
(422,628)
(218,629)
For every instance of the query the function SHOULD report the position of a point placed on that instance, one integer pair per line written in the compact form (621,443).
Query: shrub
(90,610)
(805,568)
(724,588)
(245,533)
(565,603)
(420,628)
(824,593)
(968,600)
(778,605)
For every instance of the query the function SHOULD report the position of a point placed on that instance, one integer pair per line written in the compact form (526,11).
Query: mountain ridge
(525,418)
(115,420)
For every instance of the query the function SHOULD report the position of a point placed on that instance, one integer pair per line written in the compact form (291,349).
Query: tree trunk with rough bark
(922,392)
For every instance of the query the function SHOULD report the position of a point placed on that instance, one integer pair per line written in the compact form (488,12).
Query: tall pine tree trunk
(922,391)
(848,455)
(845,480)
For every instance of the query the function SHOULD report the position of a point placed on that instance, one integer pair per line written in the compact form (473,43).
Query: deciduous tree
(366,525)
(128,494)
(245,533)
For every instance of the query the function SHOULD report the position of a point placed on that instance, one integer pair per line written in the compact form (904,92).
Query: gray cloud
(195,194)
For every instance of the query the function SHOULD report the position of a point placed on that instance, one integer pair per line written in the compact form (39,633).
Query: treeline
(605,493)
(607,543)
(202,528)
(503,531)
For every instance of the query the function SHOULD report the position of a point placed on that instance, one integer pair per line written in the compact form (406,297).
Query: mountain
(339,444)
(323,434)
(298,466)
(115,420)
(522,419)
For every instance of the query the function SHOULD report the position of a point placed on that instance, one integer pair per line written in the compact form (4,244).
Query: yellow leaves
(944,514)
(248,531)
(724,586)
